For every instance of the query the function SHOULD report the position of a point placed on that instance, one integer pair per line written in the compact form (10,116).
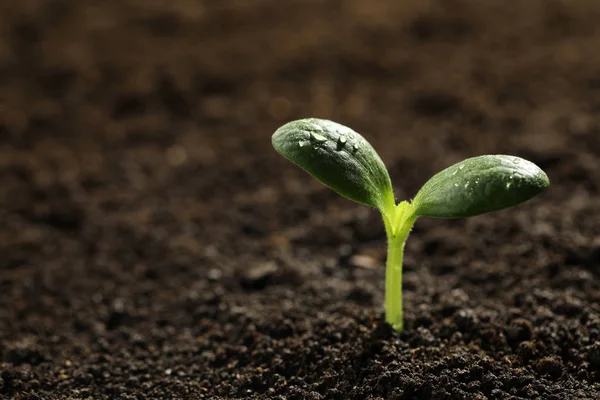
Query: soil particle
(24,351)
(551,366)
(363,261)
(257,277)
(520,330)
(526,350)
(594,354)
(465,320)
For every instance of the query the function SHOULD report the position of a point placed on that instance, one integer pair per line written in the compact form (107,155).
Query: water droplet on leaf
(301,143)
(316,127)
(318,137)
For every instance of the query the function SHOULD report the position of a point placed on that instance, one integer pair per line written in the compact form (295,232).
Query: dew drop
(342,140)
(318,137)
(516,160)
(316,127)
(355,147)
(508,185)
(467,184)
(461,166)
(301,143)
(456,184)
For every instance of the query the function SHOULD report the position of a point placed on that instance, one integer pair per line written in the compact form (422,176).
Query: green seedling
(344,161)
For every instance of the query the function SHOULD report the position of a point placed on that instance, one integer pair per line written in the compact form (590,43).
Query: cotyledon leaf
(338,157)
(478,185)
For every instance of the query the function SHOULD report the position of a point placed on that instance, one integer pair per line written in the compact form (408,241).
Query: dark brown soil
(153,245)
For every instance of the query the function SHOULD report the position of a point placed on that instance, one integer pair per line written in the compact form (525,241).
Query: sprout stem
(403,218)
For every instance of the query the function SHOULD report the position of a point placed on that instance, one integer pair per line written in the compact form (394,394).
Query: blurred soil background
(153,245)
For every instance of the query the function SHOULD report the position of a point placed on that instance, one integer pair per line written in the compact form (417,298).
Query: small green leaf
(338,157)
(479,185)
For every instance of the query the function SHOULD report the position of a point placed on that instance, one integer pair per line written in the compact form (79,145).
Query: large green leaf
(479,185)
(338,157)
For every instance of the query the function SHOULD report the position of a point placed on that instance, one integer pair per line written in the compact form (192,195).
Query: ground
(153,245)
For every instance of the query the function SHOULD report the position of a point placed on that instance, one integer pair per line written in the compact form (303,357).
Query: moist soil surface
(153,245)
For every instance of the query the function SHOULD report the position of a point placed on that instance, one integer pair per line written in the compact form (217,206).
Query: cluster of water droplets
(460,167)
(314,135)
(471,185)
(348,141)
(344,140)
(467,183)
(511,178)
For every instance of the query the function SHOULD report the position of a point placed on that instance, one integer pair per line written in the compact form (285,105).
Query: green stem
(398,226)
